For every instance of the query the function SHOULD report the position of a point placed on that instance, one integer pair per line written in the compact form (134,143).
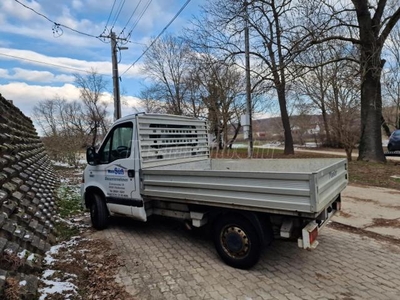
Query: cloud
(35,76)
(77,4)
(13,9)
(25,96)
(131,102)
(66,64)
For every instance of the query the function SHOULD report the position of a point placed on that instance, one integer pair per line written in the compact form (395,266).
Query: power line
(139,18)
(119,9)
(137,6)
(56,26)
(109,16)
(47,63)
(158,36)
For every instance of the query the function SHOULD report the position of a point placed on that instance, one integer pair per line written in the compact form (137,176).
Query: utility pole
(117,100)
(248,84)
(115,76)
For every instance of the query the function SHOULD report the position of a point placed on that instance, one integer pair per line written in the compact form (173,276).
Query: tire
(99,213)
(236,241)
(390,148)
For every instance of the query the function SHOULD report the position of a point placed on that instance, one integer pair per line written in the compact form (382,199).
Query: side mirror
(91,156)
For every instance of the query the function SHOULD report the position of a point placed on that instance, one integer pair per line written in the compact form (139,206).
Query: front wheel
(237,241)
(99,213)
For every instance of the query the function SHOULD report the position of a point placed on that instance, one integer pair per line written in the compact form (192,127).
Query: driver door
(116,171)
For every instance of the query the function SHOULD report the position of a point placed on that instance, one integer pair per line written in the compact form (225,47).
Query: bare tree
(149,100)
(92,88)
(367,25)
(46,115)
(220,88)
(63,126)
(391,80)
(312,84)
(166,64)
(67,126)
(344,105)
(276,39)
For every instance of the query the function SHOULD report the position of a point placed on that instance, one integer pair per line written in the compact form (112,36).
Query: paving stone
(335,270)
(11,247)
(3,162)
(3,276)
(10,172)
(17,181)
(8,229)
(17,196)
(9,187)
(8,207)
(28,287)
(3,177)
(3,243)
(3,196)
(24,188)
(3,218)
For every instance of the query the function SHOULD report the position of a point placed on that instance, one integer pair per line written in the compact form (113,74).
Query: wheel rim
(235,242)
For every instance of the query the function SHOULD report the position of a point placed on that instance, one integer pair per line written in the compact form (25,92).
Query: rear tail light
(313,235)
(309,236)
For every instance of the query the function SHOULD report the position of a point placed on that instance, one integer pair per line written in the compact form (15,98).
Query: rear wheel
(99,213)
(237,241)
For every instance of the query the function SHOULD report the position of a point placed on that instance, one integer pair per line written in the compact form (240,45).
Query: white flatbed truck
(152,164)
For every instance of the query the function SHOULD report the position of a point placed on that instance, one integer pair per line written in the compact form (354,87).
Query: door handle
(131,173)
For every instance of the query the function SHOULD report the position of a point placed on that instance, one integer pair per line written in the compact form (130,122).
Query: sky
(38,60)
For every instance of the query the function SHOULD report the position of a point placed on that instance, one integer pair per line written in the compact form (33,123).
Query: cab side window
(118,144)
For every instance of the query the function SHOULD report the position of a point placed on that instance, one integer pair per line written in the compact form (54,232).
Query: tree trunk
(237,129)
(285,121)
(370,148)
(94,134)
(385,126)
(348,150)
(326,127)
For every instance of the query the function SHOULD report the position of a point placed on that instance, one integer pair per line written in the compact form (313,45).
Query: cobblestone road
(164,261)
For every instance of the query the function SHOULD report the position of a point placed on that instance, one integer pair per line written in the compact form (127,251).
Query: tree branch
(336,37)
(389,26)
(378,13)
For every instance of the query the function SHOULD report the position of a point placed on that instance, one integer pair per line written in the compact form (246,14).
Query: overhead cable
(135,9)
(109,16)
(56,26)
(47,63)
(119,9)
(139,18)
(158,36)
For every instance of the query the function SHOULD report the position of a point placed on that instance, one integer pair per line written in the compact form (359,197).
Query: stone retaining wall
(27,207)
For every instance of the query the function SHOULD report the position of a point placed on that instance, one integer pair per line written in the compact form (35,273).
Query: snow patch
(67,289)
(22,254)
(23,283)
(32,257)
(47,273)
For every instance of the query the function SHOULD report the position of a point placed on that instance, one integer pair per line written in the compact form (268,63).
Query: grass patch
(69,205)
(65,231)
(375,174)
(69,201)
